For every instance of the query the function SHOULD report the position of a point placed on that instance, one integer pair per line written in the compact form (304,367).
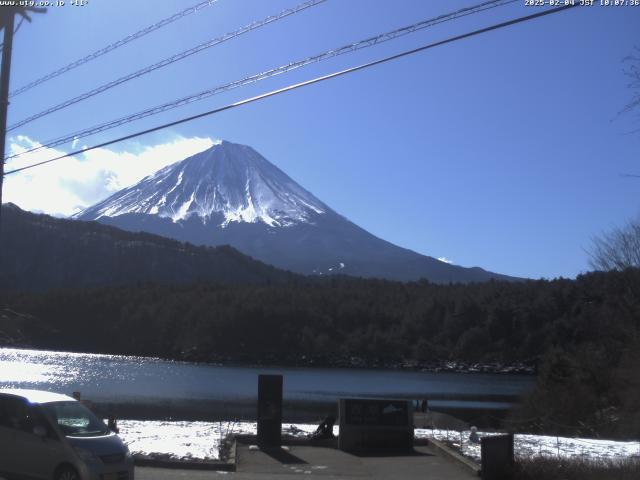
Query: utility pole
(7,21)
(5,73)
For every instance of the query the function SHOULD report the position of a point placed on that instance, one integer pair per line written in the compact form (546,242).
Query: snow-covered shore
(190,440)
(534,445)
(201,440)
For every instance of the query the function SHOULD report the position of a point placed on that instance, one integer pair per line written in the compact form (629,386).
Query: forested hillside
(40,252)
(342,317)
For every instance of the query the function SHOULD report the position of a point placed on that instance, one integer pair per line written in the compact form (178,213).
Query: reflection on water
(136,379)
(23,368)
(31,373)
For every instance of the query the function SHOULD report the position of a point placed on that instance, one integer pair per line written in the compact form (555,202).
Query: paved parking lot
(147,473)
(326,463)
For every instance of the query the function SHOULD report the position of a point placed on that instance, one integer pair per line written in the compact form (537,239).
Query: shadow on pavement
(390,453)
(283,456)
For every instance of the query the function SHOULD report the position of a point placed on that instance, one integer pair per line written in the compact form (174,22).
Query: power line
(368,42)
(168,61)
(114,45)
(303,84)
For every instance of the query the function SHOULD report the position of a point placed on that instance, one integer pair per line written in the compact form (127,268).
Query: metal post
(270,410)
(8,20)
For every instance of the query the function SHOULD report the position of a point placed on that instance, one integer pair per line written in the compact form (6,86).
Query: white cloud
(445,260)
(71,184)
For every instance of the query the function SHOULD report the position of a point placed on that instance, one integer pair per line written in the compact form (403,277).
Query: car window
(14,413)
(4,418)
(36,417)
(17,414)
(74,419)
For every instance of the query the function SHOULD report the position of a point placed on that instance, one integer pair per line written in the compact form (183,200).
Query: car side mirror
(40,431)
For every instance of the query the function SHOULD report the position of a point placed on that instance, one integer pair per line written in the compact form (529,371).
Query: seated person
(112,424)
(474,437)
(325,429)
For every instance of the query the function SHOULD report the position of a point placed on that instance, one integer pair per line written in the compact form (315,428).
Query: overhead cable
(114,45)
(168,61)
(352,47)
(302,84)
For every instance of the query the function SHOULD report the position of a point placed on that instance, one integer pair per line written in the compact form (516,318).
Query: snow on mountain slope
(231,195)
(228,179)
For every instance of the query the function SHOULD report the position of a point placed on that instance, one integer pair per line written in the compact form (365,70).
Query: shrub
(546,468)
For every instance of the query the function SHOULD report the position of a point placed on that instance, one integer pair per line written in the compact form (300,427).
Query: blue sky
(503,151)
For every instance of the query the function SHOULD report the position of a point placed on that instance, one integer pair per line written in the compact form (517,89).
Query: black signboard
(270,410)
(497,457)
(373,424)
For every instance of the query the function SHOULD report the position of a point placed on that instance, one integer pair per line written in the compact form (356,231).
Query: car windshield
(75,420)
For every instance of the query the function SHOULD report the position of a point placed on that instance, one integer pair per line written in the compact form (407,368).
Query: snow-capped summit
(226,183)
(231,195)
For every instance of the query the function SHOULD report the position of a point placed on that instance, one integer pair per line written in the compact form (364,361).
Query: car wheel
(67,473)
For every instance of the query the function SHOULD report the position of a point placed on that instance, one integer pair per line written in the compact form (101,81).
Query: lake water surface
(148,381)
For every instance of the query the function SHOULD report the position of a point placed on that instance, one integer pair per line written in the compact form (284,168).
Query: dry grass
(543,468)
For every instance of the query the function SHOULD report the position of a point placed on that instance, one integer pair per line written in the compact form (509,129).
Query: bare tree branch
(618,249)
(632,72)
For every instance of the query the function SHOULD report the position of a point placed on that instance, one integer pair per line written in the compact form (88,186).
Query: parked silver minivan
(48,436)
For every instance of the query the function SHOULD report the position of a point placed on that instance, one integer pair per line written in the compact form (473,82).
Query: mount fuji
(230,194)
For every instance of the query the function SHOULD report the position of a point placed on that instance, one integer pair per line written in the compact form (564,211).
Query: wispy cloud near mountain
(71,184)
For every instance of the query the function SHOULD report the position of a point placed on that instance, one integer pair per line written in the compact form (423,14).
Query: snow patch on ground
(189,440)
(201,440)
(532,445)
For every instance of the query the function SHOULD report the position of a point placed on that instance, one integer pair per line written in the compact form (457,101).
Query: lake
(153,388)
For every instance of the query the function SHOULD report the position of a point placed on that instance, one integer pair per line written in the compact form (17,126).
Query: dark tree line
(371,319)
